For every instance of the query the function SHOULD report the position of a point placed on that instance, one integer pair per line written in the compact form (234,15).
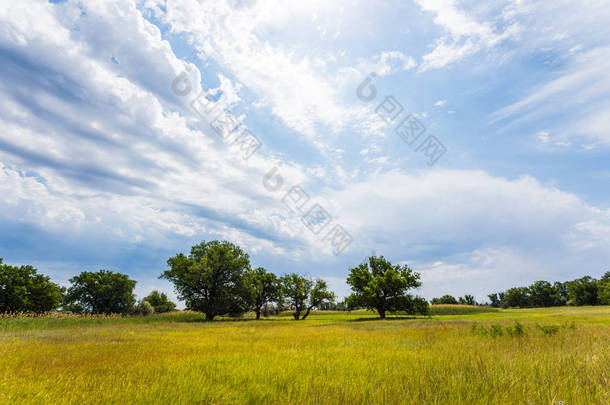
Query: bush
(549,329)
(144,308)
(445,299)
(495,330)
(516,330)
(160,302)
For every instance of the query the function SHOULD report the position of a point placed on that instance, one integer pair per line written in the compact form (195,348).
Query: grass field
(561,357)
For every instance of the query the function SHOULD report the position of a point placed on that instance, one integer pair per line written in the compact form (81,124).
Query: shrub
(495,330)
(549,329)
(160,302)
(516,330)
(144,308)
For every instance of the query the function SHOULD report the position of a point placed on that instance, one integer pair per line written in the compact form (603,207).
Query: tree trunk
(306,313)
(258,313)
(297,315)
(209,316)
(381,313)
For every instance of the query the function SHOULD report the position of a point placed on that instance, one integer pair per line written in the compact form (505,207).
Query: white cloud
(386,63)
(93,142)
(454,215)
(464,34)
(95,146)
(290,83)
(580,92)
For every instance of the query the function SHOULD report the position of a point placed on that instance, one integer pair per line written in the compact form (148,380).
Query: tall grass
(460,309)
(28,321)
(326,360)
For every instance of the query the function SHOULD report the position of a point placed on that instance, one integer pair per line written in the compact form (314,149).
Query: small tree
(263,288)
(467,299)
(583,291)
(603,289)
(144,308)
(160,302)
(445,300)
(382,286)
(419,306)
(496,299)
(22,289)
(541,294)
(560,294)
(211,278)
(101,292)
(516,297)
(303,294)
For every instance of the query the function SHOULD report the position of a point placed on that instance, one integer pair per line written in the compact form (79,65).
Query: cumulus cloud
(446,222)
(95,146)
(103,145)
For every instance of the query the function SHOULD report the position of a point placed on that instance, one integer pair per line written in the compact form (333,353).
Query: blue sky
(104,165)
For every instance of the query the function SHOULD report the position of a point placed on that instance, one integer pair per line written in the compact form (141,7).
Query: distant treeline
(217,279)
(582,291)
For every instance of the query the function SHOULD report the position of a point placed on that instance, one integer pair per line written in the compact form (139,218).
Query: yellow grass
(334,358)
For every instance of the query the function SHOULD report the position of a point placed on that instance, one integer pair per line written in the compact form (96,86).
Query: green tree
(144,308)
(379,285)
(603,289)
(211,278)
(263,288)
(101,292)
(497,299)
(445,299)
(583,291)
(303,294)
(541,294)
(560,293)
(516,297)
(467,299)
(418,306)
(22,289)
(160,302)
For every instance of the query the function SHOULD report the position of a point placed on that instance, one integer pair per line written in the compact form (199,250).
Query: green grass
(56,321)
(332,358)
(460,309)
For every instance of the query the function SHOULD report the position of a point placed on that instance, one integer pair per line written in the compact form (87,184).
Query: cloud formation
(102,163)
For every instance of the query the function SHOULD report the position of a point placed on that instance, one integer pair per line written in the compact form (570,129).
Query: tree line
(217,279)
(582,291)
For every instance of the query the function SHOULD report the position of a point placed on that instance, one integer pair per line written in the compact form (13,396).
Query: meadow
(458,355)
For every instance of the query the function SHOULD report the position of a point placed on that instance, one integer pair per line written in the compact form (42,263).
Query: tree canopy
(603,291)
(444,300)
(380,285)
(263,287)
(160,302)
(101,292)
(304,294)
(211,278)
(22,289)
